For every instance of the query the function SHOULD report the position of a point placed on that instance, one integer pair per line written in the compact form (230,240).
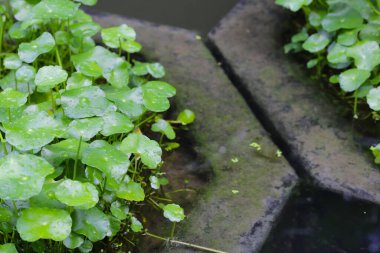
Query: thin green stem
(172,231)
(356,105)
(190,245)
(145,120)
(77,158)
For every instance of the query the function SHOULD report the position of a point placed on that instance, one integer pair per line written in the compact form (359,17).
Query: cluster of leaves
(342,38)
(75,166)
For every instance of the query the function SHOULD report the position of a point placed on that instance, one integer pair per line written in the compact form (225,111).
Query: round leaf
(12,61)
(10,98)
(48,77)
(119,210)
(316,42)
(156,94)
(149,150)
(25,73)
(341,16)
(28,52)
(8,248)
(73,241)
(44,223)
(186,117)
(22,176)
(119,76)
(129,102)
(61,151)
(174,213)
(162,126)
(131,191)
(293,5)
(78,194)
(156,70)
(136,225)
(52,9)
(113,36)
(373,99)
(351,79)
(77,80)
(366,54)
(85,128)
(116,123)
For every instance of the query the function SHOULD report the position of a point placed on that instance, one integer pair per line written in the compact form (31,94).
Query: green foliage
(76,162)
(341,38)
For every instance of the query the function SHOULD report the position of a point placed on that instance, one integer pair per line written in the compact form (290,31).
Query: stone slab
(303,118)
(224,128)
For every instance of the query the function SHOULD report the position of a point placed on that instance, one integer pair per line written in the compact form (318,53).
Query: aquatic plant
(78,122)
(341,39)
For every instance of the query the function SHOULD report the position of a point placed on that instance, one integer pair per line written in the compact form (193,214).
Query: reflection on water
(316,221)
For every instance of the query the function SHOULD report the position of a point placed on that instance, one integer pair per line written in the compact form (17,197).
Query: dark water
(316,221)
(199,15)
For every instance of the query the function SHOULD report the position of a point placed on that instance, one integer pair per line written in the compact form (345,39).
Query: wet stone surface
(316,137)
(237,208)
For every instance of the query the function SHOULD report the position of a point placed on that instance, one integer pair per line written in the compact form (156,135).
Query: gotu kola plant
(342,39)
(74,161)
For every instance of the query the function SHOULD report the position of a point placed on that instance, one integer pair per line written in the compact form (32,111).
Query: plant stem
(184,243)
(58,56)
(356,105)
(3,144)
(172,231)
(52,100)
(77,157)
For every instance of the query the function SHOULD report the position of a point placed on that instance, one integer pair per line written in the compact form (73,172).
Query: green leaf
(114,36)
(62,38)
(28,52)
(87,2)
(316,42)
(12,61)
(300,36)
(341,16)
(46,198)
(92,223)
(316,17)
(131,46)
(351,79)
(366,54)
(84,102)
(61,151)
(85,128)
(154,182)
(119,76)
(108,159)
(186,117)
(44,223)
(131,191)
(119,210)
(103,58)
(6,215)
(293,5)
(149,150)
(17,32)
(94,175)
(370,32)
(78,194)
(25,73)
(129,102)
(312,63)
(48,77)
(86,247)
(162,126)
(136,225)
(87,29)
(373,99)
(116,123)
(10,81)
(77,80)
(73,241)
(156,70)
(10,98)
(174,213)
(8,248)
(348,38)
(337,54)
(22,176)
(53,9)
(32,130)
(156,94)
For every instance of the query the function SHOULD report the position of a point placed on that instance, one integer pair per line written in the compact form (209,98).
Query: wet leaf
(186,117)
(12,61)
(48,77)
(316,42)
(373,99)
(29,51)
(94,175)
(116,123)
(162,126)
(105,157)
(32,131)
(92,223)
(114,36)
(156,94)
(149,150)
(77,194)
(52,9)
(136,225)
(44,223)
(87,29)
(22,176)
(337,54)
(293,5)
(8,248)
(73,241)
(63,150)
(131,46)
(46,198)
(85,128)
(119,210)
(174,213)
(119,76)
(84,102)
(10,98)
(156,70)
(77,80)
(341,16)
(365,54)
(25,73)
(131,191)
(129,102)
(351,79)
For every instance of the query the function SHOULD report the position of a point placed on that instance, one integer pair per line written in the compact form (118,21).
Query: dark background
(198,15)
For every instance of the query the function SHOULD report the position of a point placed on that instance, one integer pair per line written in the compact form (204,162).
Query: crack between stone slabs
(292,158)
